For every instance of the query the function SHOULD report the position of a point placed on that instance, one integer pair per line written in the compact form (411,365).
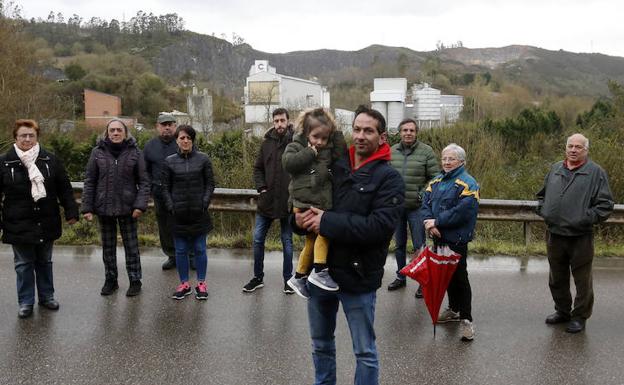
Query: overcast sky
(284,26)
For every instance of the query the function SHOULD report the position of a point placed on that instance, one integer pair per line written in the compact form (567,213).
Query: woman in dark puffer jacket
(116,189)
(33,183)
(188,183)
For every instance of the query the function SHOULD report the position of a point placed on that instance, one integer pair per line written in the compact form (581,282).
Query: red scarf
(383,153)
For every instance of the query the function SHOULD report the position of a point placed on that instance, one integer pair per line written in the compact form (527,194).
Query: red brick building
(101,107)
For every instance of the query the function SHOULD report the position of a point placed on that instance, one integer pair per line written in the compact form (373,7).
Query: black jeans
(165,228)
(571,254)
(459,291)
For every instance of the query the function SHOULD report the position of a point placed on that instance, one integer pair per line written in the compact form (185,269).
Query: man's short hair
(408,120)
(25,123)
(381,121)
(190,131)
(280,111)
(585,141)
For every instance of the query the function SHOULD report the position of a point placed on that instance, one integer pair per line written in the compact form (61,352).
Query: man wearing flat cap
(155,152)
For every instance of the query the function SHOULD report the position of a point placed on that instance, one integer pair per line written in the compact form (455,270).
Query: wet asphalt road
(262,338)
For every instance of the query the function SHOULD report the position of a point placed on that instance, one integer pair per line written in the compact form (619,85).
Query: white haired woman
(449,210)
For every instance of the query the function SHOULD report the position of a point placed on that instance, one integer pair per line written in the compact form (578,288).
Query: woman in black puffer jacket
(188,183)
(33,184)
(116,189)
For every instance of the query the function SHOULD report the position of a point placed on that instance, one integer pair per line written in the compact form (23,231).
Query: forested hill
(176,54)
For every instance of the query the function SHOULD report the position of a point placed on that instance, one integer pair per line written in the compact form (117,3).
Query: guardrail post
(527,233)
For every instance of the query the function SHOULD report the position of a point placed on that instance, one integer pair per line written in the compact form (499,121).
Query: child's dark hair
(312,118)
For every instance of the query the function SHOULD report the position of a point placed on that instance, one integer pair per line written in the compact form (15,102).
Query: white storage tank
(381,107)
(395,114)
(426,103)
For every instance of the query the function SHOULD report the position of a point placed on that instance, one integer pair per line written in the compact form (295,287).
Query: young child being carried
(308,158)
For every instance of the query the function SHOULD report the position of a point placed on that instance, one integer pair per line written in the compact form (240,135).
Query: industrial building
(266,90)
(429,108)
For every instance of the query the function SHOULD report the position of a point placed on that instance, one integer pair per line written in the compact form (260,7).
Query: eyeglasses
(24,136)
(575,146)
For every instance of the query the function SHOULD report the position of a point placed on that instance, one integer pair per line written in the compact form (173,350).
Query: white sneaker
(323,280)
(448,315)
(467,330)
(299,286)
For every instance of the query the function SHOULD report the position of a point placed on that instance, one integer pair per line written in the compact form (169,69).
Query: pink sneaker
(182,291)
(201,291)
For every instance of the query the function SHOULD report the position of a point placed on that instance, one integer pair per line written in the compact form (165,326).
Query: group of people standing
(347,202)
(117,186)
(118,181)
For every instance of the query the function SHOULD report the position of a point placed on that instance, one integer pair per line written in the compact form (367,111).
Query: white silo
(381,107)
(396,111)
(388,97)
(426,105)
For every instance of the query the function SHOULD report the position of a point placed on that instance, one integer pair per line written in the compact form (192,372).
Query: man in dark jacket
(417,164)
(575,196)
(368,198)
(271,181)
(155,152)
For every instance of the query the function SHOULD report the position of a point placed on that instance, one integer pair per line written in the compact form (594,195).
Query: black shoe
(109,287)
(134,289)
(50,304)
(396,284)
(25,311)
(169,264)
(254,284)
(418,293)
(288,289)
(576,325)
(557,318)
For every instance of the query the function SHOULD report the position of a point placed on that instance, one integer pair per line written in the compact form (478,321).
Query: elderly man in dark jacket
(575,197)
(417,164)
(368,198)
(272,181)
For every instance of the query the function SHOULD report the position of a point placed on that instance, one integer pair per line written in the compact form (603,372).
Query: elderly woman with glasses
(449,210)
(33,184)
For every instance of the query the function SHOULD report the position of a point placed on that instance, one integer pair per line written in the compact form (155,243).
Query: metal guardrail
(245,200)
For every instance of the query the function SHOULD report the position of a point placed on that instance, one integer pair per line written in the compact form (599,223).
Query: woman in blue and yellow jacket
(449,212)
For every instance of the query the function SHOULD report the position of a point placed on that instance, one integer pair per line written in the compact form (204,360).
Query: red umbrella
(433,270)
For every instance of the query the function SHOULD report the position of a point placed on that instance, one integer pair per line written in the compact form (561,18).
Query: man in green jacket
(575,197)
(417,164)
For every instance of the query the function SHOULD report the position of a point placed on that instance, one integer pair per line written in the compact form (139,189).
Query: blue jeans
(360,312)
(195,244)
(260,231)
(417,231)
(33,266)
